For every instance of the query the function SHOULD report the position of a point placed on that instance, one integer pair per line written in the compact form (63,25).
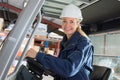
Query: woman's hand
(31,53)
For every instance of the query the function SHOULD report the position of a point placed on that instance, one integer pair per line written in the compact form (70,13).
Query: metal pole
(14,40)
(26,48)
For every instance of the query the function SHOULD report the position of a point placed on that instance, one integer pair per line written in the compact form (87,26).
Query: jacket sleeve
(71,65)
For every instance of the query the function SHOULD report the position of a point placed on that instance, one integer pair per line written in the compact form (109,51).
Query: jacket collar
(73,39)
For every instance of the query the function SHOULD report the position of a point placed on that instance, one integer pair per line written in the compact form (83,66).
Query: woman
(76,51)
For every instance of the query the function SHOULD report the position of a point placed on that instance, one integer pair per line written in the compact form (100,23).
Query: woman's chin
(68,33)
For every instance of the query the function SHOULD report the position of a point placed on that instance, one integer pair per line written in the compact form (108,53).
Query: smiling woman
(71,18)
(74,61)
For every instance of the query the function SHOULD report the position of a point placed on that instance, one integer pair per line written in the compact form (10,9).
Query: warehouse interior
(101,22)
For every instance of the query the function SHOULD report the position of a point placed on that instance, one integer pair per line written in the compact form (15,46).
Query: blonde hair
(81,31)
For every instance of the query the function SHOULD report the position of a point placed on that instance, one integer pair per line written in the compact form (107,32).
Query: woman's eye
(71,21)
(64,21)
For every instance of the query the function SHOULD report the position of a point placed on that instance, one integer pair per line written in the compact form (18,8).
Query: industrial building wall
(107,52)
(106,44)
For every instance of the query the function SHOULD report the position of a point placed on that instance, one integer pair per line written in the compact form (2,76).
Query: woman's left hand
(31,53)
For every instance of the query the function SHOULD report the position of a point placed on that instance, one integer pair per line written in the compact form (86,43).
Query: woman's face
(69,25)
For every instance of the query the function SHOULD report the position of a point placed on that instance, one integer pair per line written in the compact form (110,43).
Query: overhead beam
(10,7)
(19,10)
(57,2)
(51,15)
(51,23)
(57,13)
(52,7)
(86,1)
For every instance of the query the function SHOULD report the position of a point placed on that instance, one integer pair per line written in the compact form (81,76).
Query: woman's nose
(67,24)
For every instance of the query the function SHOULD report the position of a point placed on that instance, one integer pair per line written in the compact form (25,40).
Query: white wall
(106,44)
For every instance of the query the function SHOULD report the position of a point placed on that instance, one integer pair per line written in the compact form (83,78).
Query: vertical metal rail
(26,47)
(14,40)
(39,17)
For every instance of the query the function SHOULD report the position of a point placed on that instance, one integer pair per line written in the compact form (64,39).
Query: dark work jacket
(74,61)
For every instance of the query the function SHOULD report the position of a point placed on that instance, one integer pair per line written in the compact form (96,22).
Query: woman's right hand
(31,53)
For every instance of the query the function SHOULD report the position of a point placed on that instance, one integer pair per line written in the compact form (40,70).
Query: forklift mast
(14,40)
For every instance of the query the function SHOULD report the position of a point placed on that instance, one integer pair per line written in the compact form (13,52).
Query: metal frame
(25,49)
(14,40)
(55,14)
